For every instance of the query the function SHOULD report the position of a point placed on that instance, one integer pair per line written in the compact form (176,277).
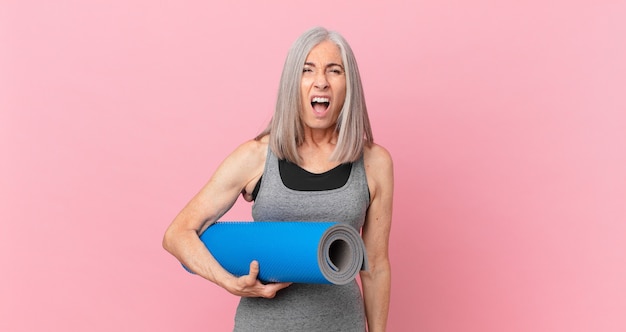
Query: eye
(307,70)
(336,70)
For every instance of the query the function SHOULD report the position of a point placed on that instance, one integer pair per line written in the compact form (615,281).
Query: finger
(280,285)
(251,278)
(273,288)
(254,269)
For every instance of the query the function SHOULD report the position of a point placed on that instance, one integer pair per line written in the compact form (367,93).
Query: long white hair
(353,126)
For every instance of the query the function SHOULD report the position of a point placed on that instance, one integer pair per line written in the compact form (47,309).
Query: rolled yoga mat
(288,251)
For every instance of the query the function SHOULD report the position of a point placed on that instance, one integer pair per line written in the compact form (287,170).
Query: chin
(320,125)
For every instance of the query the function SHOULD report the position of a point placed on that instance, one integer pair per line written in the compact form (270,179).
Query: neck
(316,149)
(319,138)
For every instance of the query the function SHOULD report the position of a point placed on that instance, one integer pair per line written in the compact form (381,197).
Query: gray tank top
(308,307)
(276,202)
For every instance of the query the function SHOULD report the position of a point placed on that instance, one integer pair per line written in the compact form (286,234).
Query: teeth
(320,100)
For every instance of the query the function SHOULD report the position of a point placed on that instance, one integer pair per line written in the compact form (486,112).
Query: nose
(320,81)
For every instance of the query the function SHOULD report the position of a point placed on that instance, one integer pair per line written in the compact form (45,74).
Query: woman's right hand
(250,286)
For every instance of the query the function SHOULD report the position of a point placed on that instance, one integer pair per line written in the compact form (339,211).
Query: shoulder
(246,161)
(249,158)
(378,169)
(377,157)
(251,151)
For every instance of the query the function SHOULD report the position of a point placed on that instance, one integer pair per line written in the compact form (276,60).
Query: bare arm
(182,240)
(377,280)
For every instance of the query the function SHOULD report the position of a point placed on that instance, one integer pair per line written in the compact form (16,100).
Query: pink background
(506,120)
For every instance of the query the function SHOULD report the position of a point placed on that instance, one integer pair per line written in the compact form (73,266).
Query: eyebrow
(332,64)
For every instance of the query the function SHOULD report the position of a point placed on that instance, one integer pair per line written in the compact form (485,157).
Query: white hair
(286,129)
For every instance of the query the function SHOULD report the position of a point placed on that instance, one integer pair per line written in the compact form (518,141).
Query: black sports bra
(296,178)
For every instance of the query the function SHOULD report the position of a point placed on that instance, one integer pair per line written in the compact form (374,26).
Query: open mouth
(320,104)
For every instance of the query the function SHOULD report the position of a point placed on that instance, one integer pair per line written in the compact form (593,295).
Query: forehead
(325,52)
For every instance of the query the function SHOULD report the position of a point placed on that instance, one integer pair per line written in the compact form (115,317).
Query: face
(323,86)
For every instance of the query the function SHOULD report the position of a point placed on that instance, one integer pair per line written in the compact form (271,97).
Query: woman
(316,161)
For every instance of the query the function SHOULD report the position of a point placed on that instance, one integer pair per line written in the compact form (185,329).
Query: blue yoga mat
(301,252)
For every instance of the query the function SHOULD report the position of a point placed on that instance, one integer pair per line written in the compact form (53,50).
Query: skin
(323,75)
